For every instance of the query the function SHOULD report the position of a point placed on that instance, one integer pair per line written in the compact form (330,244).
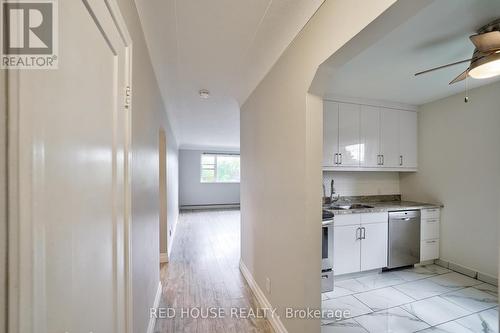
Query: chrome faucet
(332,192)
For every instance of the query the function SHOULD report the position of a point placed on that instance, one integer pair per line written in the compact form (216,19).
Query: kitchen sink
(353,206)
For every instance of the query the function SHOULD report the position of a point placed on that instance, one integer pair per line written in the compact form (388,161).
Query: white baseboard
(210,207)
(467,271)
(163,257)
(156,304)
(275,321)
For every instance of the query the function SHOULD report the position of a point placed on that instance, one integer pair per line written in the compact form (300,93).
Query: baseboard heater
(210,206)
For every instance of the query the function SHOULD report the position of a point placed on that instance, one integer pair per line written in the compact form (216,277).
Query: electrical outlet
(268,285)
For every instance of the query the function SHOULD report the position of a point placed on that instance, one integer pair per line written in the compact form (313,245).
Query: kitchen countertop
(379,206)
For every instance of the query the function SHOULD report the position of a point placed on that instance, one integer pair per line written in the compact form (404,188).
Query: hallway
(204,272)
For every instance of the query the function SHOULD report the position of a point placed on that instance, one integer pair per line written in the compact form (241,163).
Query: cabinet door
(389,137)
(349,134)
(346,249)
(429,229)
(408,139)
(330,132)
(369,136)
(429,249)
(374,246)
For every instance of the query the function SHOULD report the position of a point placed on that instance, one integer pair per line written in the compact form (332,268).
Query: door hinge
(128,96)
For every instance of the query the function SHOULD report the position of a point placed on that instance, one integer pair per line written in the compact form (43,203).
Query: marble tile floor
(427,299)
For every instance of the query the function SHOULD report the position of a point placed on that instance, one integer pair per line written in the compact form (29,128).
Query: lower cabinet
(374,246)
(429,234)
(429,249)
(346,249)
(359,242)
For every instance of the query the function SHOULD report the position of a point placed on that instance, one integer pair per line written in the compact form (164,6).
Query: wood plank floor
(203,272)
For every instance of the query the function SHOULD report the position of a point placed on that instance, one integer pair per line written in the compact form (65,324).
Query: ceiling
(434,35)
(225,46)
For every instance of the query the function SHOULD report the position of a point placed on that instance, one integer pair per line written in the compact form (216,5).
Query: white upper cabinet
(330,133)
(408,139)
(349,146)
(389,138)
(370,136)
(363,137)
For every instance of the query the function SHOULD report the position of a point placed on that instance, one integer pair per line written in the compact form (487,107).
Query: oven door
(327,247)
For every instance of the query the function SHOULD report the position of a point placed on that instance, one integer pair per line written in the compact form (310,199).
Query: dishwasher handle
(403,219)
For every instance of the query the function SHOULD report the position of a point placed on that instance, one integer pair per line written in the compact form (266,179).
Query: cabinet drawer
(374,217)
(430,213)
(429,229)
(347,219)
(429,249)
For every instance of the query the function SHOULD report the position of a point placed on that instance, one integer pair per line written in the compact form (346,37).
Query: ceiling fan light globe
(488,67)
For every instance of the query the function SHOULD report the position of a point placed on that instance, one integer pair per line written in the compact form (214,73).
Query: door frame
(163,194)
(3,201)
(20,223)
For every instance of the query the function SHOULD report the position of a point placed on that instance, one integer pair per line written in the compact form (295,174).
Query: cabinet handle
(363,230)
(401,160)
(383,160)
(340,156)
(358,237)
(324,276)
(431,242)
(335,158)
(378,159)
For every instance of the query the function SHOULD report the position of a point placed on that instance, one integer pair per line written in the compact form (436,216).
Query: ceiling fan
(485,61)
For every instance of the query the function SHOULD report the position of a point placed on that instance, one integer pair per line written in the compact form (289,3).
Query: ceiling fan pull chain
(466,99)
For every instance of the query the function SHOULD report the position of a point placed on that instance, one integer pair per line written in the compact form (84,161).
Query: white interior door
(73,191)
(330,133)
(408,139)
(349,147)
(369,136)
(389,137)
(346,249)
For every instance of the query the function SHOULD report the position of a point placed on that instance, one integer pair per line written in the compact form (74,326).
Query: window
(220,168)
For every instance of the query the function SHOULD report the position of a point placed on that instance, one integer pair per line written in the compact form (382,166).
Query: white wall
(362,183)
(459,166)
(281,148)
(193,192)
(148,116)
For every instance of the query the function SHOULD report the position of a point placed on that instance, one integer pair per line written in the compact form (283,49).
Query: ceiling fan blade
(461,77)
(444,66)
(487,41)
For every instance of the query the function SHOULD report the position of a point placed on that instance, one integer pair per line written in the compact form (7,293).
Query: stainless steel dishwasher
(404,238)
